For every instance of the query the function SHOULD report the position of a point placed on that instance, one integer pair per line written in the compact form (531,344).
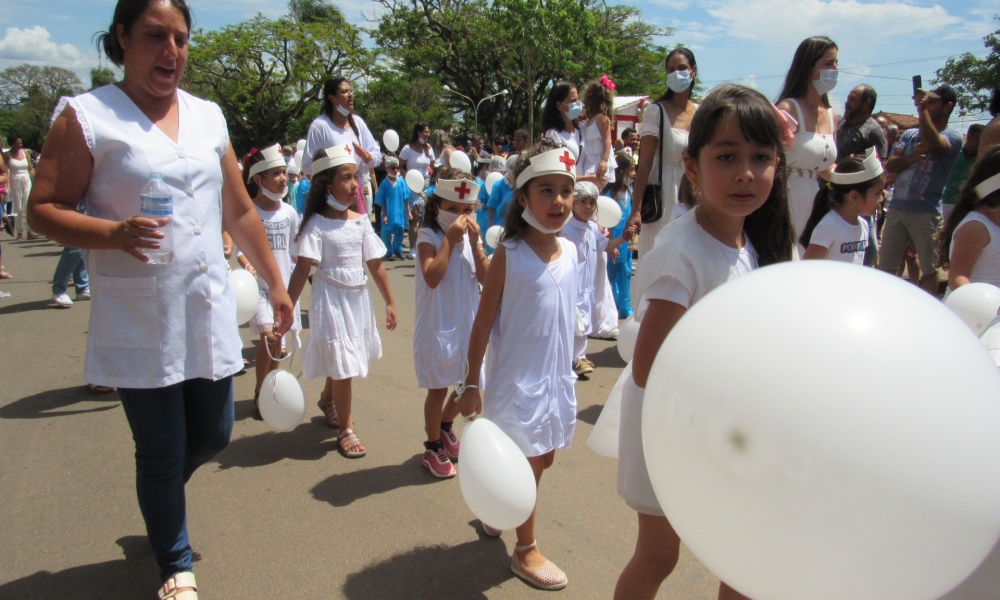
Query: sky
(882,43)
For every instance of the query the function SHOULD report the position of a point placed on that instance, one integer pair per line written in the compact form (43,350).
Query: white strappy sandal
(181,586)
(547,577)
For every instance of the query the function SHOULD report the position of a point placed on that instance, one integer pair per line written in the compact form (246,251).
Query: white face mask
(342,110)
(679,81)
(337,205)
(530,219)
(277,197)
(445,219)
(392,177)
(827,81)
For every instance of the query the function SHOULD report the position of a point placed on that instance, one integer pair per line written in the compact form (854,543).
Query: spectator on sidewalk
(960,170)
(858,131)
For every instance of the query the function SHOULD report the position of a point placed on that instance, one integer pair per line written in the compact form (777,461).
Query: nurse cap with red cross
(457,190)
(554,162)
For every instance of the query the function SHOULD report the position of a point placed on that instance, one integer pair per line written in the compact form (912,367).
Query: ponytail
(832,195)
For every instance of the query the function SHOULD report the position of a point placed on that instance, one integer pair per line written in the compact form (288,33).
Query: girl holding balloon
(451,264)
(734,161)
(531,395)
(339,241)
(970,240)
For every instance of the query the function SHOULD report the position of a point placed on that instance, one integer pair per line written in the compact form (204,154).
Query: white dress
(589,243)
(344,338)
(812,153)
(531,394)
(593,149)
(987,267)
(442,324)
(19,184)
(605,315)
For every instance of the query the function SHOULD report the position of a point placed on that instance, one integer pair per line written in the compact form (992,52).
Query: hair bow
(606,82)
(788,126)
(252,151)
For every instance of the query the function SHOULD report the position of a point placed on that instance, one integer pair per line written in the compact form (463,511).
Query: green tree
(101,76)
(973,78)
(31,93)
(266,74)
(393,100)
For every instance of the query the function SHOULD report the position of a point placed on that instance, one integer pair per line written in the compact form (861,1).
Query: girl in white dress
(741,222)
(837,229)
(451,264)
(598,103)
(528,315)
(971,238)
(811,77)
(343,340)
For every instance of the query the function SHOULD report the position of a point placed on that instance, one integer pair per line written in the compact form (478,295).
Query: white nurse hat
(341,154)
(554,162)
(457,190)
(272,159)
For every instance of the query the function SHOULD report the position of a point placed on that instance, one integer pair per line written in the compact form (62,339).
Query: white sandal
(181,586)
(547,577)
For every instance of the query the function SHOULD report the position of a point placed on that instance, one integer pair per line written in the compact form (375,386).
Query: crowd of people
(707,192)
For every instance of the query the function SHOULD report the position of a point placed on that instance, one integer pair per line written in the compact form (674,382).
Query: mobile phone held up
(917,85)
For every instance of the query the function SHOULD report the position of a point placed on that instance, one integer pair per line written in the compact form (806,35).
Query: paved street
(276,515)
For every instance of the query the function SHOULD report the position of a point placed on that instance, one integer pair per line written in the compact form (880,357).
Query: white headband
(272,159)
(457,190)
(335,156)
(873,168)
(554,162)
(988,187)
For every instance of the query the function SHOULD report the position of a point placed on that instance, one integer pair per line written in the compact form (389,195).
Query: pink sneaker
(451,443)
(438,464)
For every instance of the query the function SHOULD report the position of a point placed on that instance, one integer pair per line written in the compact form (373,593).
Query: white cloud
(672,4)
(36,45)
(750,82)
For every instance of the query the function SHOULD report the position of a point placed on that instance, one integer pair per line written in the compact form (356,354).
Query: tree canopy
(29,94)
(973,78)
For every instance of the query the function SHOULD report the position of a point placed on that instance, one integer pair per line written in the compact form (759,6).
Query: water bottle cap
(156,175)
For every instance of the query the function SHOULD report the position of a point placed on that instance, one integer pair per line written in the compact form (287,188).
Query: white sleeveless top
(812,151)
(987,267)
(593,149)
(156,325)
(18,168)
(574,142)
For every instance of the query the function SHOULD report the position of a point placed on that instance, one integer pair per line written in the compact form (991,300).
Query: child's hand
(390,316)
(385,220)
(283,311)
(457,230)
(602,168)
(473,230)
(614,255)
(629,232)
(470,403)
(249,269)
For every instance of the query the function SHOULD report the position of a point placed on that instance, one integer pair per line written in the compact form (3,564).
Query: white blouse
(156,325)
(323,134)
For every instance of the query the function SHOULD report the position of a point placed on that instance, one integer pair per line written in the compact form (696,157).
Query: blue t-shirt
(499,200)
(920,187)
(393,198)
(300,196)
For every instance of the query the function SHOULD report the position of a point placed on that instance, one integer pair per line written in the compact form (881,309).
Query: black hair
(251,159)
(624,162)
(688,54)
(994,107)
(318,189)
(330,88)
(769,228)
(415,138)
(799,76)
(986,166)
(868,94)
(127,12)
(433,202)
(551,115)
(514,224)
(627,132)
(976,128)
(832,195)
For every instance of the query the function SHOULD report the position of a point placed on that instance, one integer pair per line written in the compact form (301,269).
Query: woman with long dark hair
(339,125)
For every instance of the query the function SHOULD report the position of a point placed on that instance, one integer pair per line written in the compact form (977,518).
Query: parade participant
(560,120)
(339,125)
(20,173)
(971,237)
(620,260)
(163,334)
(339,241)
(419,156)
(294,179)
(441,145)
(393,197)
(837,229)
(520,142)
(529,372)
(590,242)
(451,265)
(741,222)
(812,76)
(497,164)
(502,194)
(598,102)
(267,185)
(660,155)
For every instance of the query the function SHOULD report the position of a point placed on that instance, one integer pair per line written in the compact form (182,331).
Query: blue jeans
(392,246)
(71,263)
(176,429)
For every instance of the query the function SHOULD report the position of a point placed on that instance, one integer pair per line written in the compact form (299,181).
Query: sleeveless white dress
(19,183)
(987,267)
(593,149)
(812,153)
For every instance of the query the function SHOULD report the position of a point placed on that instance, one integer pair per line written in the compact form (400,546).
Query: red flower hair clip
(606,82)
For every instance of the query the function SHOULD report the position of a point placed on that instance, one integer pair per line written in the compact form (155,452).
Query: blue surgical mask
(575,109)
(827,81)
(679,81)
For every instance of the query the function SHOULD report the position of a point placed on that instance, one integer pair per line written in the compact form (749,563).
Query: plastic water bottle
(158,202)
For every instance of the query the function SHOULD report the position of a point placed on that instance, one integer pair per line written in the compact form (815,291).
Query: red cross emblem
(348,148)
(568,160)
(463,190)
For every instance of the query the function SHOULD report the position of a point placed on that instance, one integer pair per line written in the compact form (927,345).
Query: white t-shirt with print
(843,241)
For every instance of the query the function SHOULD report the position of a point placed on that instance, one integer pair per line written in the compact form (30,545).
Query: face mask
(827,81)
(342,110)
(277,197)
(529,217)
(392,177)
(575,108)
(679,81)
(445,219)
(337,205)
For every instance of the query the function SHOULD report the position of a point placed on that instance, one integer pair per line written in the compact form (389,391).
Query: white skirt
(633,479)
(344,339)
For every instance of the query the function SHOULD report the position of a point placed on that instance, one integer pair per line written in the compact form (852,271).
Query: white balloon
(991,340)
(975,303)
(803,441)
(415,181)
(608,213)
(628,333)
(298,157)
(300,146)
(496,479)
(491,180)
(493,235)
(282,402)
(391,140)
(460,161)
(247,294)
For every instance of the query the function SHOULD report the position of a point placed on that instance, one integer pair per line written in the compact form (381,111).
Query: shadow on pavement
(52,253)
(344,488)
(464,571)
(49,403)
(135,576)
(590,414)
(308,441)
(607,358)
(25,307)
